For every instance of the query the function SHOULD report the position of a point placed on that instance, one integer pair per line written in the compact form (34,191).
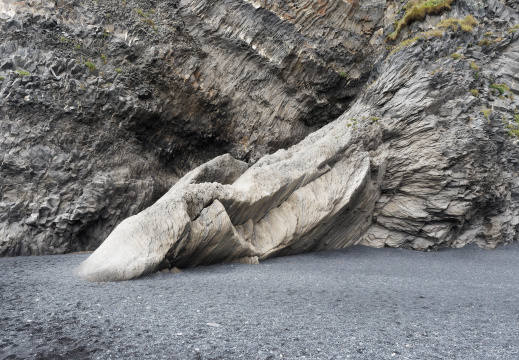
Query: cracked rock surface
(418,162)
(104,105)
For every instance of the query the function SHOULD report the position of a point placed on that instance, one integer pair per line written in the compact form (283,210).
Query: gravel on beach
(355,303)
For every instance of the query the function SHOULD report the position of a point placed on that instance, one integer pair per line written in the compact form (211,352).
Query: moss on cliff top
(416,11)
(466,24)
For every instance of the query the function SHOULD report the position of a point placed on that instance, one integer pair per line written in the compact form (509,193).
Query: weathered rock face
(104,105)
(425,157)
(418,161)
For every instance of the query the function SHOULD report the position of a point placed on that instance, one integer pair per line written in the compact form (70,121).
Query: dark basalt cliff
(123,97)
(105,105)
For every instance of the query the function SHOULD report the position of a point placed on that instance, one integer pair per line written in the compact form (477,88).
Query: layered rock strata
(420,160)
(104,105)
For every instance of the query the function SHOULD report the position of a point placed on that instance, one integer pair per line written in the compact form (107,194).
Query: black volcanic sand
(357,303)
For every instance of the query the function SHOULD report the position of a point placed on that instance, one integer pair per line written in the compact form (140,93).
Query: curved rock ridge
(427,157)
(104,105)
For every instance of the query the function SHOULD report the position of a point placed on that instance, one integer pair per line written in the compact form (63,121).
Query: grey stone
(411,162)
(420,177)
(172,88)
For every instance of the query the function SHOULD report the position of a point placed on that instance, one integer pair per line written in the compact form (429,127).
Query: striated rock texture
(104,105)
(426,157)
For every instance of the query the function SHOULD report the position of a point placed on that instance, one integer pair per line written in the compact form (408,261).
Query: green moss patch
(417,11)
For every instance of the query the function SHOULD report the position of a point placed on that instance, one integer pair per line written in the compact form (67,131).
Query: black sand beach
(356,303)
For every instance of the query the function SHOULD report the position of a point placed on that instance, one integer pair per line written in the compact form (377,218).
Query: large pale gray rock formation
(418,161)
